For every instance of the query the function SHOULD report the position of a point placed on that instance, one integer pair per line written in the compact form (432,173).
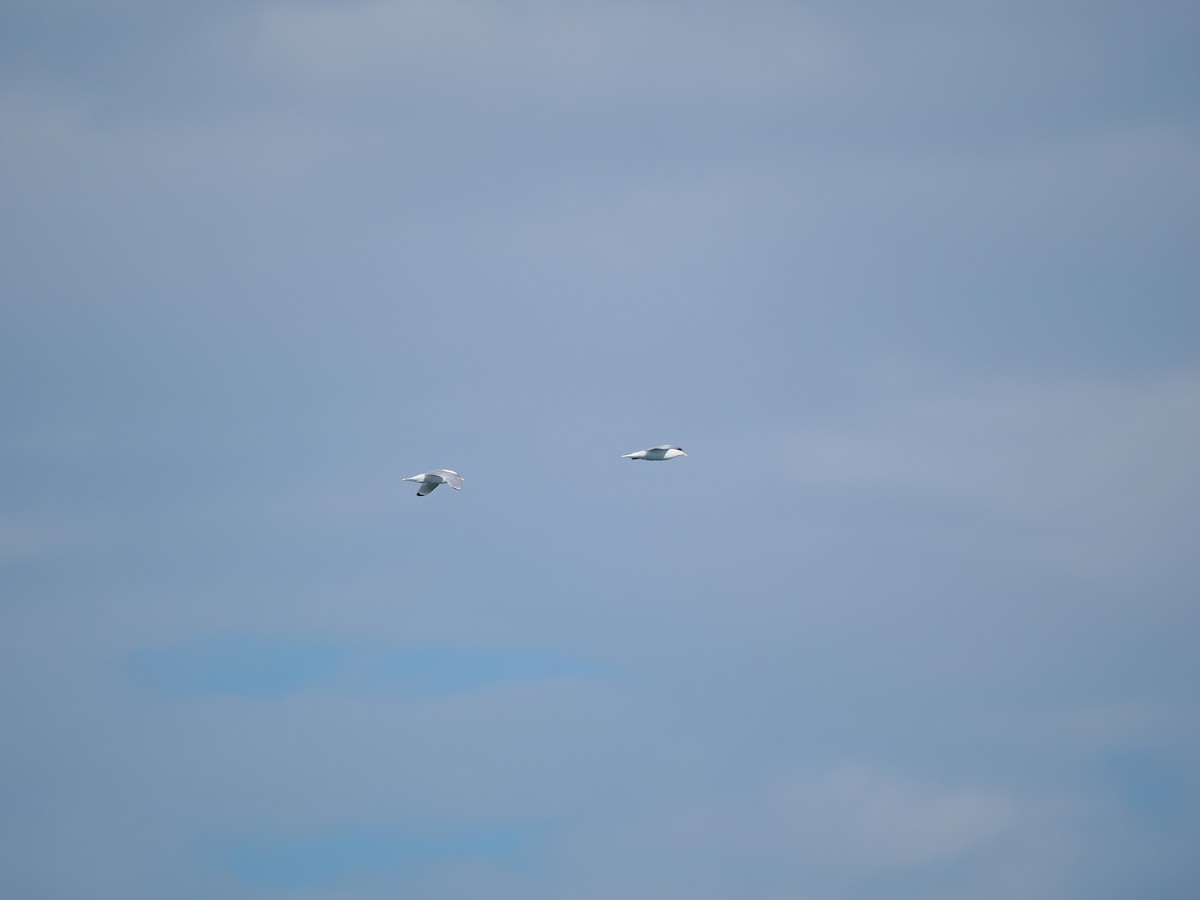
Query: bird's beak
(684,452)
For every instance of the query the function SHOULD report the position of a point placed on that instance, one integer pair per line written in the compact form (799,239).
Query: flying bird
(662,451)
(430,480)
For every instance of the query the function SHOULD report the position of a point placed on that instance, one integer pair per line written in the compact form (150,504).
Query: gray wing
(667,447)
(427,488)
(451,478)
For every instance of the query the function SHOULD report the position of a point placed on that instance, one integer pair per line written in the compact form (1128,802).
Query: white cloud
(62,156)
(1101,475)
(823,828)
(553,52)
(860,817)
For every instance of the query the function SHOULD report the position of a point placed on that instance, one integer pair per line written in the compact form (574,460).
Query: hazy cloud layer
(914,287)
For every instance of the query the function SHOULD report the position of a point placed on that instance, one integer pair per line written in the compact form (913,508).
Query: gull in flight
(430,480)
(662,451)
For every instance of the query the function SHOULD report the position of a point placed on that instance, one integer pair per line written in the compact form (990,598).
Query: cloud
(860,817)
(819,829)
(850,663)
(65,153)
(548,53)
(1100,475)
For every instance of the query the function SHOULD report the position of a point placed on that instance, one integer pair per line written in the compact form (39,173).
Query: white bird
(662,451)
(430,480)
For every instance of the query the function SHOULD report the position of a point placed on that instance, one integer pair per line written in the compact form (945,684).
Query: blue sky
(914,286)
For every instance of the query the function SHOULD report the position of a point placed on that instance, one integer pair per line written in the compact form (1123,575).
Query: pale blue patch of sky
(238,666)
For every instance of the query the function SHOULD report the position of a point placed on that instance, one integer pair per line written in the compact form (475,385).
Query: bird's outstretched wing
(450,477)
(667,447)
(427,488)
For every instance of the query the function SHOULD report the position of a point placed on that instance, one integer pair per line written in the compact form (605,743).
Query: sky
(915,285)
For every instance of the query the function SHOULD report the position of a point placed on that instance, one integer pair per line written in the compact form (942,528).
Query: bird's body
(662,451)
(430,480)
